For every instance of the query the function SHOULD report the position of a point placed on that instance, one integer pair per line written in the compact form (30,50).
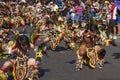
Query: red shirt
(113,12)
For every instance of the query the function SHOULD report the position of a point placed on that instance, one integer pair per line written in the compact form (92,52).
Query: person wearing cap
(106,7)
(106,2)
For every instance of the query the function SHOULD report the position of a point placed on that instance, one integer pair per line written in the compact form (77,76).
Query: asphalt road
(61,63)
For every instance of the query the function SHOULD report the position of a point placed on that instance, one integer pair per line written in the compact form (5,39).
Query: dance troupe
(49,28)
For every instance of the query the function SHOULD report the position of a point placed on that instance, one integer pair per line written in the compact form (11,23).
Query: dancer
(88,52)
(21,63)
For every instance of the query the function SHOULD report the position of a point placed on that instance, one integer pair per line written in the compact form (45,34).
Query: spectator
(61,6)
(117,2)
(92,7)
(118,21)
(55,7)
(79,9)
(72,15)
(113,22)
(107,8)
(82,3)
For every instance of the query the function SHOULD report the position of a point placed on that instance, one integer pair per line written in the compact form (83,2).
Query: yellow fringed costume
(3,76)
(89,57)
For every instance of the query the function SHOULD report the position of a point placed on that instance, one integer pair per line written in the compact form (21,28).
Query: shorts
(112,23)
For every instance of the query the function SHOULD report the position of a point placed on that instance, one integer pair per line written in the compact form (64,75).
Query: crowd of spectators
(78,11)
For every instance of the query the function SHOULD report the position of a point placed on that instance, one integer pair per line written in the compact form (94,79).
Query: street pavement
(61,63)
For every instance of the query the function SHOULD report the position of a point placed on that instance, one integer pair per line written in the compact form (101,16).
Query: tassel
(14,45)
(33,38)
(42,49)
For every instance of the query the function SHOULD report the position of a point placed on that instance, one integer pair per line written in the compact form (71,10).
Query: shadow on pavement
(106,62)
(71,62)
(58,48)
(43,71)
(116,55)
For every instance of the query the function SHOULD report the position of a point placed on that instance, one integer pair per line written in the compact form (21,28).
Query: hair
(22,40)
(93,28)
(69,21)
(102,53)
